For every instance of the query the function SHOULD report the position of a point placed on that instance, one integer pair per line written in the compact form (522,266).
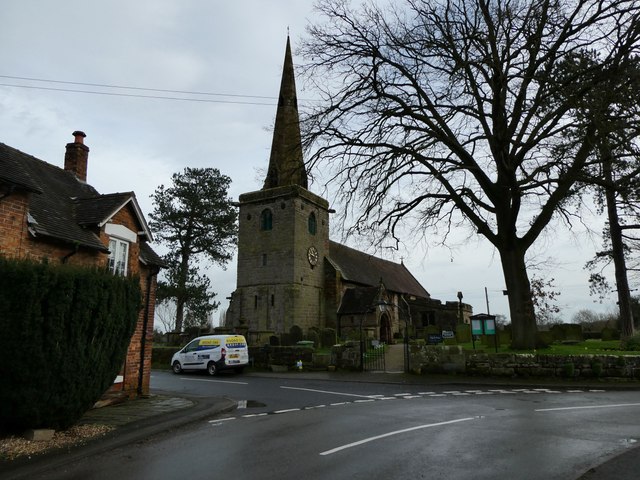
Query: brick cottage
(53,213)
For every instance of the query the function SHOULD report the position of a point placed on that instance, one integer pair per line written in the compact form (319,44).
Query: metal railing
(373,358)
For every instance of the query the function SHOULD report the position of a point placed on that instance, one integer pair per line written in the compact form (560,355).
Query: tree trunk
(523,321)
(181,297)
(617,248)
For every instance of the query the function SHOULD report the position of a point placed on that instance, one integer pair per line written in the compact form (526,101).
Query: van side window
(192,347)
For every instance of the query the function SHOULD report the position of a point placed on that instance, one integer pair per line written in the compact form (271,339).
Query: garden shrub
(632,344)
(610,334)
(161,356)
(64,333)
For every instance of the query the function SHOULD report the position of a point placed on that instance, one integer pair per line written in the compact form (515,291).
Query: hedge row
(64,332)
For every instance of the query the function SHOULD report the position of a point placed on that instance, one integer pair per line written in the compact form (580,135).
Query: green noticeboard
(489,326)
(476,327)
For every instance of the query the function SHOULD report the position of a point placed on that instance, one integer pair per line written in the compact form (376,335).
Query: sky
(229,55)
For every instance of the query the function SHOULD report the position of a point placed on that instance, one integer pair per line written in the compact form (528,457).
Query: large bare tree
(446,114)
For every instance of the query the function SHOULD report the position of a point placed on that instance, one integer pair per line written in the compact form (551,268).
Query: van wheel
(176,367)
(212,369)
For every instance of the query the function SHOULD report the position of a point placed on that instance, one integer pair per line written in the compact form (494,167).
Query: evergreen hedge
(64,333)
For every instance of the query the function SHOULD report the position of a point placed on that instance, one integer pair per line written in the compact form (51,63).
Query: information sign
(490,326)
(476,327)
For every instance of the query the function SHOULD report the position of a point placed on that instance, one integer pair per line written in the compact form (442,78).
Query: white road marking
(211,380)
(328,392)
(397,432)
(287,410)
(586,407)
(222,420)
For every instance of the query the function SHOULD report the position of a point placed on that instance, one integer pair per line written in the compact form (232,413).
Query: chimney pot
(79,136)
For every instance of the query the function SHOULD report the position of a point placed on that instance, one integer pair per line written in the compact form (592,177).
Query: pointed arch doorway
(385,328)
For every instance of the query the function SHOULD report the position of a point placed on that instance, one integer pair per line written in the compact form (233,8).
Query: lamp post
(460,317)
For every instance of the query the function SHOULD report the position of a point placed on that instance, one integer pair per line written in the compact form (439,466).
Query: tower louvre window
(313,226)
(266,220)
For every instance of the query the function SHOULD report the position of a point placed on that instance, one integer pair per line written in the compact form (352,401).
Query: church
(290,275)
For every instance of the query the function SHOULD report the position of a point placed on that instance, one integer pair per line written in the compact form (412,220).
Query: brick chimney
(77,156)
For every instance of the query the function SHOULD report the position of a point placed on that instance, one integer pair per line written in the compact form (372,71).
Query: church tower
(283,236)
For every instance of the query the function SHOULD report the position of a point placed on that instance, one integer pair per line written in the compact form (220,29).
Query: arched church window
(266,220)
(313,227)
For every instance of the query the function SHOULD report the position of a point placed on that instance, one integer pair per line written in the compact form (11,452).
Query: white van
(212,353)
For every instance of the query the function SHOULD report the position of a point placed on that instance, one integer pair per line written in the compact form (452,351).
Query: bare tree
(165,315)
(449,114)
(544,298)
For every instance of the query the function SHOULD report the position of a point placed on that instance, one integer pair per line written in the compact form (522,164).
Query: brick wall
(131,369)
(13,224)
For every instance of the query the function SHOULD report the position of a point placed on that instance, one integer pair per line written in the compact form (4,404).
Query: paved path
(394,358)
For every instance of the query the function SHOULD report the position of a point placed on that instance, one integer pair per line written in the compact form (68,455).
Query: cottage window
(118,255)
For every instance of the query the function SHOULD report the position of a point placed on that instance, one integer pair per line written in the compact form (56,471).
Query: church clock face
(312,256)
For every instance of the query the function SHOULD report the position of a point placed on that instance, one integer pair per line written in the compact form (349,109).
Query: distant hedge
(64,333)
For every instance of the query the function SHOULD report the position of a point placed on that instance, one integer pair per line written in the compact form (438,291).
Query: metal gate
(373,358)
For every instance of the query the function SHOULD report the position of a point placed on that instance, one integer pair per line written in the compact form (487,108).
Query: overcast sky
(235,48)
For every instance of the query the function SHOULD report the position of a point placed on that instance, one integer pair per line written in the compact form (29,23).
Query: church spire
(286,166)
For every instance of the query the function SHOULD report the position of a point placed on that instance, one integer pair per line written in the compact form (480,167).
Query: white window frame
(118,256)
(120,238)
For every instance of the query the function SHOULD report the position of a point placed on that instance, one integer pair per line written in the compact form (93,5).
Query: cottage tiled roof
(11,171)
(366,270)
(51,212)
(62,207)
(97,209)
(149,257)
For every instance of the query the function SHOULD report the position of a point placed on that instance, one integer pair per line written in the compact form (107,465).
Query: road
(299,428)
